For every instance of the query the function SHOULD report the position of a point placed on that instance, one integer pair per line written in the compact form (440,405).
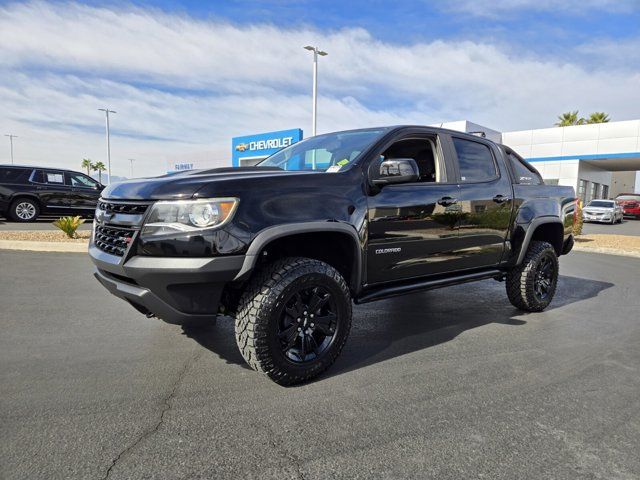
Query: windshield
(600,203)
(330,152)
(628,197)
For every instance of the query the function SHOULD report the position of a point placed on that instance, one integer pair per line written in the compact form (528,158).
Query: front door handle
(446,201)
(500,199)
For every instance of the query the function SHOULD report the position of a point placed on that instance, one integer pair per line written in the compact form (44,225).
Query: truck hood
(183,185)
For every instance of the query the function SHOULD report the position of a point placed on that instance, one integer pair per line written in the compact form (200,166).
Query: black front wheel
(532,284)
(294,319)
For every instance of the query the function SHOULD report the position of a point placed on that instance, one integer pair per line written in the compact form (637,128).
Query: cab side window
(425,152)
(475,161)
(524,174)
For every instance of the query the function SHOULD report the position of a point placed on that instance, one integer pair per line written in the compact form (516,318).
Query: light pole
(316,51)
(11,137)
(131,160)
(107,112)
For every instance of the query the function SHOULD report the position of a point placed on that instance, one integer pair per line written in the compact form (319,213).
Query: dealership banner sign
(253,147)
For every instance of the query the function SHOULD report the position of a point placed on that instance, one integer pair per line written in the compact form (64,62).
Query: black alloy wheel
(544,277)
(307,324)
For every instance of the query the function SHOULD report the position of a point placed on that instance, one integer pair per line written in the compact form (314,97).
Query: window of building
(475,161)
(524,174)
(593,191)
(605,192)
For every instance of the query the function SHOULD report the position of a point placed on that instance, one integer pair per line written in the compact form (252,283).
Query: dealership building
(597,160)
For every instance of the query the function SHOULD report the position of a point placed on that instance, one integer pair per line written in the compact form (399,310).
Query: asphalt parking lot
(627,227)
(453,383)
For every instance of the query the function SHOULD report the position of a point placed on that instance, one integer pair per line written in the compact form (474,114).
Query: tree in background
(99,167)
(598,117)
(86,163)
(568,119)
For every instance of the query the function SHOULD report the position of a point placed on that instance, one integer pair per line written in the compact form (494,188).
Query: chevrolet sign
(250,149)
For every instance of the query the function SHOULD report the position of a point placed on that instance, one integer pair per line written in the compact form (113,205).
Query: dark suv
(28,192)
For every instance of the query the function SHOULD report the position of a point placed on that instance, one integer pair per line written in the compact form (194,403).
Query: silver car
(602,211)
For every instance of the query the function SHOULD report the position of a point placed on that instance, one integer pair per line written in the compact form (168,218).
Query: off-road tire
(16,217)
(521,279)
(258,316)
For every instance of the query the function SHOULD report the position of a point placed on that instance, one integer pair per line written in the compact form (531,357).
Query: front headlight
(186,216)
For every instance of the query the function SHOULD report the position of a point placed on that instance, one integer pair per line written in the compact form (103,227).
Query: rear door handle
(500,199)
(446,201)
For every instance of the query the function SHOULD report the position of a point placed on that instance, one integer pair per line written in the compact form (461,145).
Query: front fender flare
(270,234)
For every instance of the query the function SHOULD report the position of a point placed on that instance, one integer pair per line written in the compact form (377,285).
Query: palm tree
(568,119)
(86,163)
(99,167)
(598,117)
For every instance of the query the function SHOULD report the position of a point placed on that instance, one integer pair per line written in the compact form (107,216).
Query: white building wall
(596,139)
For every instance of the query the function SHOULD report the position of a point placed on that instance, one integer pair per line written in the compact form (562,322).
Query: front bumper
(597,217)
(178,290)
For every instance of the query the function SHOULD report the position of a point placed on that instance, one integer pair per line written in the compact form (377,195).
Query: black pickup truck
(361,215)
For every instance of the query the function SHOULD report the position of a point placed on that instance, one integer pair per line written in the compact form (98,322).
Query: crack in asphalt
(284,453)
(166,406)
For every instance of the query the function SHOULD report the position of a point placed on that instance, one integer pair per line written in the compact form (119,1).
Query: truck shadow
(402,325)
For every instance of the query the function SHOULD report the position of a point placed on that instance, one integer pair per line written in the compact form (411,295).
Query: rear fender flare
(531,228)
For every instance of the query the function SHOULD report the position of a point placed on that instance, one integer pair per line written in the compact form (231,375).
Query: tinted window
(54,177)
(10,175)
(474,160)
(600,203)
(79,180)
(524,174)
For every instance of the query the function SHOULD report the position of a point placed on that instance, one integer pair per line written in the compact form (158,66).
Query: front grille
(116,207)
(113,240)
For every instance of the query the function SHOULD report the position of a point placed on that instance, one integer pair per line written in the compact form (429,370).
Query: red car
(630,203)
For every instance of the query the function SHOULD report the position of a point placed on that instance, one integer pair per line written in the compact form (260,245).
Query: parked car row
(612,211)
(28,192)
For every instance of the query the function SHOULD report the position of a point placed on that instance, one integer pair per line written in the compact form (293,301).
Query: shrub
(69,225)
(577,224)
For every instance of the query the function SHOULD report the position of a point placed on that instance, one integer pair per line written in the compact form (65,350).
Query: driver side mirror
(397,170)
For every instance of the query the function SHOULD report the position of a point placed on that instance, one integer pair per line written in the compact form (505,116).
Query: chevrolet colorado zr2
(286,246)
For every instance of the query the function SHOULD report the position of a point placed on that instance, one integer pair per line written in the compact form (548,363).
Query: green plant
(99,167)
(86,163)
(69,225)
(598,117)
(577,224)
(568,119)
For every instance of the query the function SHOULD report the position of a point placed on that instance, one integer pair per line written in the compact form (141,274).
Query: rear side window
(56,178)
(475,161)
(13,175)
(524,175)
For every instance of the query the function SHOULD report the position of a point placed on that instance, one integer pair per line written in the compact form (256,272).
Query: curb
(66,247)
(606,251)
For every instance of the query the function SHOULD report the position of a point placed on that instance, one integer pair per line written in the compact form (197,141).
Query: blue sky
(186,76)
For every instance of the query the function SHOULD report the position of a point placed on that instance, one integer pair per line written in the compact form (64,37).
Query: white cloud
(182,87)
(502,7)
